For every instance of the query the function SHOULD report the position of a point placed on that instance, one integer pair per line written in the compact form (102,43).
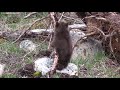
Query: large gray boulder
(88,48)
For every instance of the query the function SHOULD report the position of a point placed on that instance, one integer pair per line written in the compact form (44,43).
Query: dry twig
(98,30)
(29,28)
(40,19)
(61,17)
(19,36)
(30,14)
(52,16)
(50,39)
(110,45)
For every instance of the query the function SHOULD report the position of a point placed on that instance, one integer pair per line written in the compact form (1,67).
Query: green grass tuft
(9,76)
(10,48)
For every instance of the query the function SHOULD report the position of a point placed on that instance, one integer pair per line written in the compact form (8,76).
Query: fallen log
(36,33)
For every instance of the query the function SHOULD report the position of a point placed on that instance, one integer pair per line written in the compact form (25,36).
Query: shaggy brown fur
(62,45)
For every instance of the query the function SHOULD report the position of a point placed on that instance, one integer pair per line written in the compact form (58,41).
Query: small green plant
(37,74)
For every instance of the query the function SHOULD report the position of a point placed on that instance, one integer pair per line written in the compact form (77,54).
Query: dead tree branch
(30,14)
(61,17)
(30,27)
(40,19)
(19,36)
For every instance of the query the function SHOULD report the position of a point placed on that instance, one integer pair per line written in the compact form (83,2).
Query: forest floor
(12,56)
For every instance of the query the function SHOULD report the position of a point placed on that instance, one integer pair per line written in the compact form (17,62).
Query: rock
(88,47)
(2,66)
(71,70)
(27,46)
(76,34)
(44,65)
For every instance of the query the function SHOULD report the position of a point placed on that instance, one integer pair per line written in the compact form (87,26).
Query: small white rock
(2,66)
(43,65)
(71,69)
(27,46)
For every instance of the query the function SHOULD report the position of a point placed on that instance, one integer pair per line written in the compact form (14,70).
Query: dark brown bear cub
(62,45)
